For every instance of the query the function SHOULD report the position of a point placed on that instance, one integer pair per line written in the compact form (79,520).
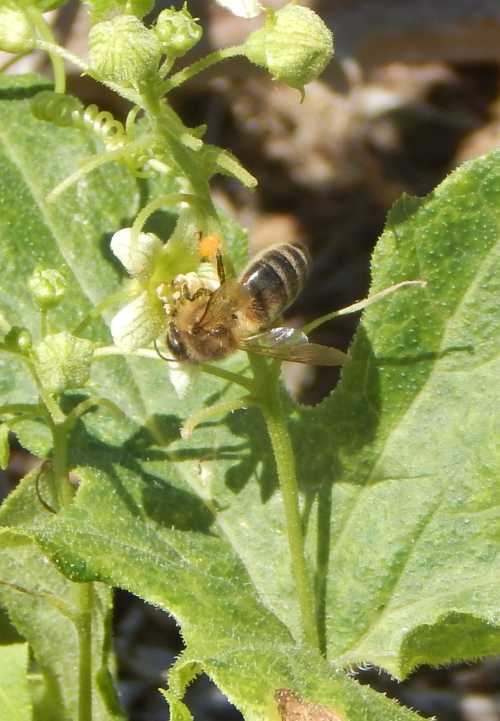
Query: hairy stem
(60,433)
(211,59)
(219,409)
(272,410)
(153,206)
(84,629)
(95,162)
(46,35)
(62,484)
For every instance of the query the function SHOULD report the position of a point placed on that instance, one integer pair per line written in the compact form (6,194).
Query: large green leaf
(44,606)
(416,458)
(397,468)
(15,702)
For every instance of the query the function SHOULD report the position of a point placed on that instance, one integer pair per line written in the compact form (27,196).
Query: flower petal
(138,323)
(136,257)
(242,8)
(181,376)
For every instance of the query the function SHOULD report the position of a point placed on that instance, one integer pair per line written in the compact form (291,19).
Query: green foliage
(14,695)
(47,610)
(397,468)
(4,445)
(394,560)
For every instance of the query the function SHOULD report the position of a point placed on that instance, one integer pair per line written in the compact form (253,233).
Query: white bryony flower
(182,374)
(141,321)
(145,318)
(139,257)
(243,8)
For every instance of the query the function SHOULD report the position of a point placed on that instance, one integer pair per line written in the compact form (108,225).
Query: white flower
(138,323)
(242,8)
(181,376)
(141,321)
(137,257)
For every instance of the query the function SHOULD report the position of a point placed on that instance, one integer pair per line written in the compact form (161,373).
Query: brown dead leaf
(293,708)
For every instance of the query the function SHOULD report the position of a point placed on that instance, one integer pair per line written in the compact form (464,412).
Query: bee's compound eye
(175,344)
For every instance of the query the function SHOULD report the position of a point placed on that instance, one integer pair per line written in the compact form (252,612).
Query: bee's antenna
(163,357)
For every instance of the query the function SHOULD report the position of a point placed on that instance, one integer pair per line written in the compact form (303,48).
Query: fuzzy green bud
(63,361)
(123,50)
(294,45)
(177,31)
(16,33)
(106,9)
(18,340)
(47,287)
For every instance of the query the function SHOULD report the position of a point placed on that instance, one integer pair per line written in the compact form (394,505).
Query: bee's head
(175,343)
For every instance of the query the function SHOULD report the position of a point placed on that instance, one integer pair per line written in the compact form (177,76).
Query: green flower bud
(294,45)
(123,50)
(177,31)
(47,287)
(17,340)
(16,33)
(106,9)
(63,361)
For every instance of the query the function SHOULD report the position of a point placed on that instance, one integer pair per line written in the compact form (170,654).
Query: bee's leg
(219,409)
(220,267)
(361,304)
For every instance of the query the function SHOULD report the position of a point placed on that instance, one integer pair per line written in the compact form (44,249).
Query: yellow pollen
(209,245)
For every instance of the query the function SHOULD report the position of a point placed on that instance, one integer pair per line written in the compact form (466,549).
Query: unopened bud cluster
(177,31)
(47,287)
(16,33)
(294,45)
(63,361)
(123,50)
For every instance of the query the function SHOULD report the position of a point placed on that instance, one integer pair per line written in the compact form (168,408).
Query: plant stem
(53,49)
(154,205)
(60,432)
(222,373)
(95,162)
(84,629)
(272,410)
(99,308)
(43,322)
(219,409)
(211,59)
(64,491)
(45,33)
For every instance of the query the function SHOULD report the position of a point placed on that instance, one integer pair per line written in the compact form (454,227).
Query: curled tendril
(39,473)
(67,111)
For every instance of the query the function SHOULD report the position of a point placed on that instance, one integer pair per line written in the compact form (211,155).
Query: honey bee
(208,325)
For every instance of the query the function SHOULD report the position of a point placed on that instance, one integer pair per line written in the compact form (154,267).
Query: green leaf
(4,446)
(72,233)
(46,608)
(398,467)
(410,550)
(14,695)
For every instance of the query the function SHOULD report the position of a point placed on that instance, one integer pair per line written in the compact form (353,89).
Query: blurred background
(413,92)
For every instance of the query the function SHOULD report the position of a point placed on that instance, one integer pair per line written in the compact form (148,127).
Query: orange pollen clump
(209,245)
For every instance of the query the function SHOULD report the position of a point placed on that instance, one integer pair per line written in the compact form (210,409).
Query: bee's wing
(291,344)
(231,296)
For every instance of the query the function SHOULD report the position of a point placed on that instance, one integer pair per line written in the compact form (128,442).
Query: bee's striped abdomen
(275,279)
